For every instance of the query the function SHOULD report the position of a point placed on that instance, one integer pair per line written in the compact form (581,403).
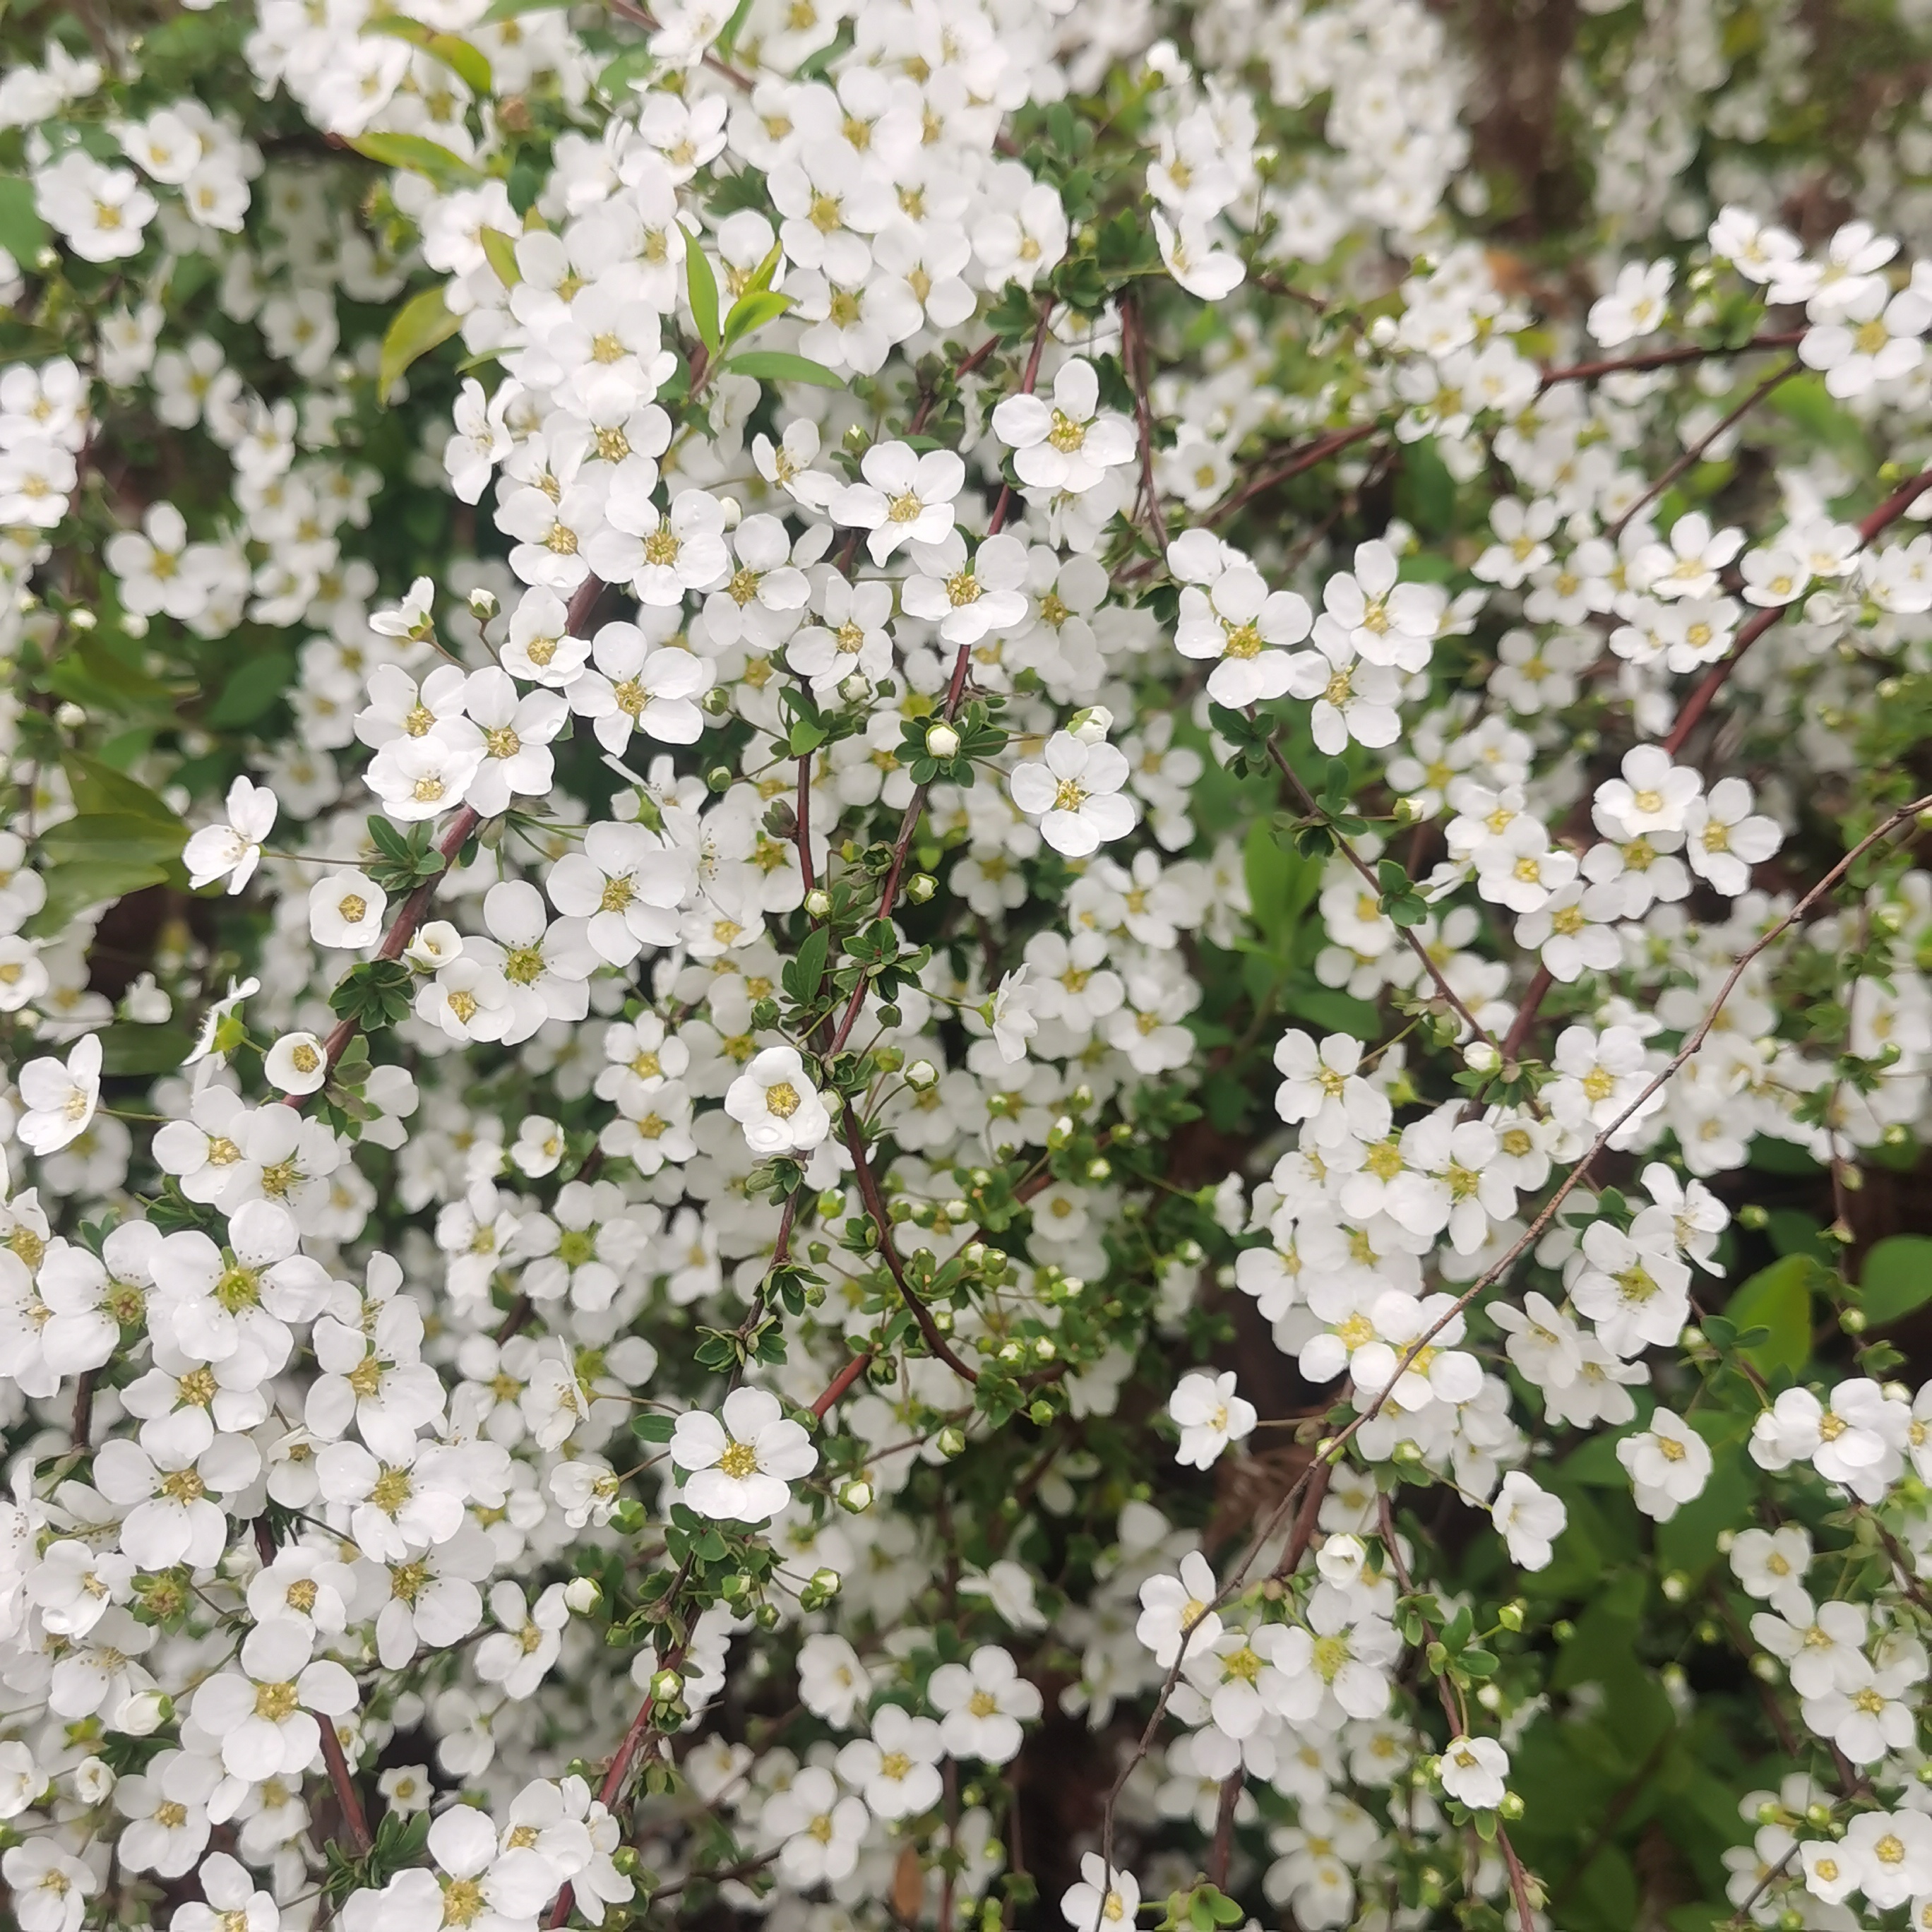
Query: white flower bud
(921,1074)
(582,1595)
(942,741)
(1090,726)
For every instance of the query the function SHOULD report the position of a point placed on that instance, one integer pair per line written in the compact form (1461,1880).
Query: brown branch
(1319,451)
(875,1206)
(1133,357)
(1664,358)
(1695,454)
(840,1383)
(354,1818)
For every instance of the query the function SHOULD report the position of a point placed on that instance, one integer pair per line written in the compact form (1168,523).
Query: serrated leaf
(422,322)
(420,156)
(501,251)
(701,285)
(469,64)
(778,365)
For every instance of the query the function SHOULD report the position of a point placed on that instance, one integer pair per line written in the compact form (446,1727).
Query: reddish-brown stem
(355,1821)
(1319,451)
(840,1383)
(1133,357)
(875,1206)
(1695,454)
(1664,358)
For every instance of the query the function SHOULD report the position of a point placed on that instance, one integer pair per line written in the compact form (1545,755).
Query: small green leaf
(777,365)
(751,311)
(652,1428)
(23,233)
(502,251)
(500,10)
(421,322)
(468,64)
(420,156)
(701,285)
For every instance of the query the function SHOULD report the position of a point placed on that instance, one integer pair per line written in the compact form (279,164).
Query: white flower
(1210,1416)
(1074,792)
(1102,1898)
(347,910)
(774,1101)
(232,851)
(1529,1518)
(1070,445)
(1723,839)
(261,1714)
(60,1096)
(741,1468)
(1321,1089)
(1669,1464)
(1174,1613)
(1011,1014)
(905,497)
(1635,307)
(297,1064)
(982,1703)
(897,1767)
(1873,340)
(1475,1772)
(818,1830)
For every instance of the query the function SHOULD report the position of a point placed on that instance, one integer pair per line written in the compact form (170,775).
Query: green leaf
(500,10)
(99,787)
(420,156)
(751,311)
(23,233)
(252,688)
(420,323)
(133,1049)
(99,835)
(502,251)
(777,365)
(1897,1278)
(701,285)
(467,63)
(1778,1298)
(652,1428)
(74,887)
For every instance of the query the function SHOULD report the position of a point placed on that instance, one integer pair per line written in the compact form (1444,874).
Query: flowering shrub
(962,965)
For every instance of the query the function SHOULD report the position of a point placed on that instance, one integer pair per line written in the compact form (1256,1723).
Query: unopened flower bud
(142,1715)
(483,604)
(667,1687)
(1090,726)
(942,742)
(69,716)
(952,1440)
(920,887)
(1479,1057)
(856,1496)
(734,511)
(855,687)
(581,1595)
(818,903)
(921,1074)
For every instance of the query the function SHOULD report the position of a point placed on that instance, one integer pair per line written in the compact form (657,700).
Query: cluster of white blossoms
(930,990)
